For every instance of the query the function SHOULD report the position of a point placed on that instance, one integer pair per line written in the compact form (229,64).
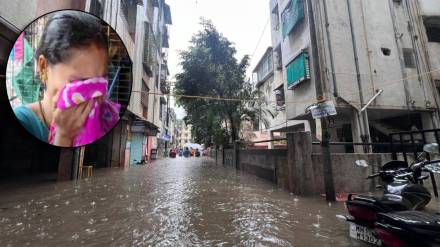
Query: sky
(240,21)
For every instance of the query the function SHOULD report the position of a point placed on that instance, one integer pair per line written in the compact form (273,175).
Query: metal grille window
(292,15)
(432,25)
(129,12)
(279,96)
(278,58)
(144,99)
(408,57)
(298,70)
(96,8)
(275,19)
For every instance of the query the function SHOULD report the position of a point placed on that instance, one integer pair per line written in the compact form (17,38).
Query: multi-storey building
(268,80)
(142,26)
(185,136)
(348,51)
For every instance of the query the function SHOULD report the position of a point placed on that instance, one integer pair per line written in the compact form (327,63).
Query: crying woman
(72,58)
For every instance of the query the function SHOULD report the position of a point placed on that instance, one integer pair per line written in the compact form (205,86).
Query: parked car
(186,153)
(173,153)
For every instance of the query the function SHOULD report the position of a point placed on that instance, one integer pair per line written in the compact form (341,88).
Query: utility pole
(325,147)
(167,123)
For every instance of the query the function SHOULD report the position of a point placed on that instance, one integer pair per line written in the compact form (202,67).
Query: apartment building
(142,26)
(185,133)
(266,75)
(350,51)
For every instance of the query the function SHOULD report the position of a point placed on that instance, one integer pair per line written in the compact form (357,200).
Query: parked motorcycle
(408,228)
(403,191)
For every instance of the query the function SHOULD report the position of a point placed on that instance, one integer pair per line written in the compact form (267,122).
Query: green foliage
(209,68)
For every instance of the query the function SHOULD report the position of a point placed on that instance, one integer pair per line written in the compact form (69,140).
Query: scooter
(410,228)
(403,191)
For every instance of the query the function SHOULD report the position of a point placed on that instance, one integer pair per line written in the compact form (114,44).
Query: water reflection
(175,202)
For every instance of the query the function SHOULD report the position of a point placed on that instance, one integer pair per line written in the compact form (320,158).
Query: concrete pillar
(68,163)
(428,122)
(356,131)
(236,155)
(223,154)
(270,144)
(300,175)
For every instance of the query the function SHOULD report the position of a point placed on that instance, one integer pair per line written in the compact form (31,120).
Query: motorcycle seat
(387,203)
(418,222)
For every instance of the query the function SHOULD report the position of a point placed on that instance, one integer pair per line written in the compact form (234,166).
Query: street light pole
(167,123)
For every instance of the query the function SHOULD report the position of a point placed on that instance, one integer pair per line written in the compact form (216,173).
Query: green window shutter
(292,15)
(298,70)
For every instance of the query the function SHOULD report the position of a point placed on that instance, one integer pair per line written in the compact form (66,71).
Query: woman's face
(85,62)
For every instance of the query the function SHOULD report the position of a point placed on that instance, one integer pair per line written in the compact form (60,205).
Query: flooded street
(172,202)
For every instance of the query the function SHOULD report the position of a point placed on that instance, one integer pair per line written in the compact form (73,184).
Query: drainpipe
(364,115)
(400,50)
(330,50)
(367,47)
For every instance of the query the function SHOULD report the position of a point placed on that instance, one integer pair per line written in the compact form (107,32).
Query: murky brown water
(174,202)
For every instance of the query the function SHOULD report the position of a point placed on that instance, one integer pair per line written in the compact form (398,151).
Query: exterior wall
(273,166)
(373,23)
(291,46)
(263,163)
(19,13)
(429,7)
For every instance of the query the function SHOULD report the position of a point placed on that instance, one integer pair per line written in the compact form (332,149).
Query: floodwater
(172,202)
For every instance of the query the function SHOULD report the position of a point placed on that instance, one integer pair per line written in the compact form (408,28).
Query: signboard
(323,109)
(166,137)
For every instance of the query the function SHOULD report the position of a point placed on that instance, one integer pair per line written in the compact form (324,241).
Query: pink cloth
(102,118)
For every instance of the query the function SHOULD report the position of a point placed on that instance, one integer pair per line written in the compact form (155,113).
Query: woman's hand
(69,122)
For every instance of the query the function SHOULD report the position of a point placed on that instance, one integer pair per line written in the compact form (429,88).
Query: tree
(209,68)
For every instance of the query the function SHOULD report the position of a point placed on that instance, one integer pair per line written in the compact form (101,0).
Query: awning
(140,124)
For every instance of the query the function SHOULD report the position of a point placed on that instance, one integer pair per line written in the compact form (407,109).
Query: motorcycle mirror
(361,163)
(431,148)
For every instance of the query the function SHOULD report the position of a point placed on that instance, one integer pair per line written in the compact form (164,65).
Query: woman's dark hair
(70,29)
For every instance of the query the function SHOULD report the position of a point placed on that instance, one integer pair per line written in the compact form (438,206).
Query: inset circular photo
(69,78)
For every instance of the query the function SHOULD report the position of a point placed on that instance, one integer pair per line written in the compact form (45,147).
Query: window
(432,25)
(408,58)
(292,15)
(129,12)
(96,8)
(279,96)
(298,70)
(266,67)
(144,99)
(277,57)
(275,19)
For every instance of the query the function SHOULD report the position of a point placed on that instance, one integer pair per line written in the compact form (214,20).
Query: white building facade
(362,47)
